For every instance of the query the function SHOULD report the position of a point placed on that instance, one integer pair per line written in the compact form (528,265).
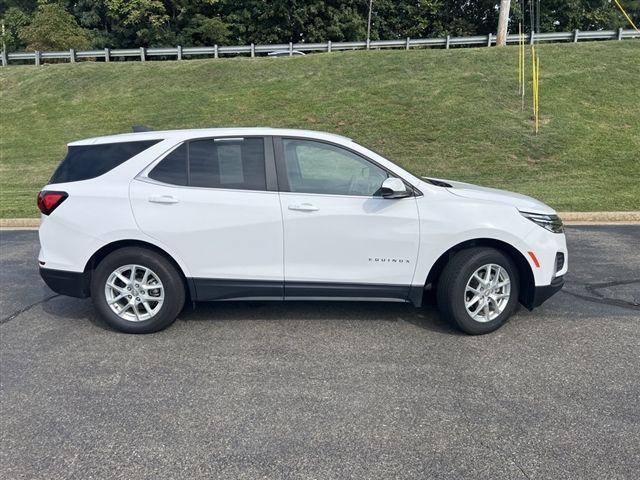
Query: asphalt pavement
(326,390)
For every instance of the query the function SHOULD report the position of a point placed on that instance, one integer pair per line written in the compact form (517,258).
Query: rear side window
(90,161)
(234,163)
(173,168)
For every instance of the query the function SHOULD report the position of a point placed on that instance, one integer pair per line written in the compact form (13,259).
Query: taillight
(49,201)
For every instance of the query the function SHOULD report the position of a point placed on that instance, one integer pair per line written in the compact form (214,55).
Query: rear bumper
(542,294)
(73,284)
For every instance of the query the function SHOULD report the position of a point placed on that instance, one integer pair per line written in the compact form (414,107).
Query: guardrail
(216,51)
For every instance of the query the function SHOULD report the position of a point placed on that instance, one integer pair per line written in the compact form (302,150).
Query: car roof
(181,135)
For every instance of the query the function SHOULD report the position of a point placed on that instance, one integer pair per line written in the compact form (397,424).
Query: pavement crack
(603,300)
(28,307)
(594,287)
(523,472)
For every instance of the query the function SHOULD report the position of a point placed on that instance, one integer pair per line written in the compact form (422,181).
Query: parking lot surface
(326,390)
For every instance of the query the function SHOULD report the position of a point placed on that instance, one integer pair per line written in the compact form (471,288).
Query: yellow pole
(533,82)
(519,58)
(626,15)
(522,65)
(537,93)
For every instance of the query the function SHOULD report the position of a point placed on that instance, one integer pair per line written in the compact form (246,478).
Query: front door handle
(303,207)
(164,199)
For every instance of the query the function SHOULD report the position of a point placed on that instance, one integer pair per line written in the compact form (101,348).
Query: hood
(468,190)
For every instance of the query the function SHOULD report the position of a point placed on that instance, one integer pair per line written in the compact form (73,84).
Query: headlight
(549,222)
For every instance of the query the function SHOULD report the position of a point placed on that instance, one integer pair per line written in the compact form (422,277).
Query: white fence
(216,51)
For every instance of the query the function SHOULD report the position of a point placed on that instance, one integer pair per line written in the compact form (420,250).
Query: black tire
(167,273)
(453,282)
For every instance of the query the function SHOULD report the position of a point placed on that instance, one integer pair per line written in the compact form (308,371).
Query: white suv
(143,222)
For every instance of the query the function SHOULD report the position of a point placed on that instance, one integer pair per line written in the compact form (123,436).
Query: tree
(92,15)
(503,23)
(27,6)
(134,23)
(53,28)
(282,21)
(140,22)
(567,15)
(203,30)
(393,19)
(14,20)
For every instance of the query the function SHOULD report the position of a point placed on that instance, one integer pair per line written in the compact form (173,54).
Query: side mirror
(394,188)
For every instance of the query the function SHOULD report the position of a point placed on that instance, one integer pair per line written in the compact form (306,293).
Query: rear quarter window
(90,161)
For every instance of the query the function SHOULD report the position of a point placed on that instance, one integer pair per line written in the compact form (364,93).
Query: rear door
(214,203)
(341,238)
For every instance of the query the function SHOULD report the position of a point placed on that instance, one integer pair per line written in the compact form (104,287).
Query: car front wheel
(478,290)
(137,290)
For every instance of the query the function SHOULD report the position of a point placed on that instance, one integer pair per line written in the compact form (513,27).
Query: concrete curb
(599,217)
(569,218)
(19,222)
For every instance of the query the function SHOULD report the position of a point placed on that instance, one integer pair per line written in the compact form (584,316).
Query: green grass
(452,114)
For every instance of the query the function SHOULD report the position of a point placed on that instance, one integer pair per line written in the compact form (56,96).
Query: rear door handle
(303,207)
(165,199)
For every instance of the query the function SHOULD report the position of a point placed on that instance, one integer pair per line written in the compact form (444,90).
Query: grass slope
(451,114)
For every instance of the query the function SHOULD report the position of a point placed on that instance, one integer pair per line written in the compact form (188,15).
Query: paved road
(326,390)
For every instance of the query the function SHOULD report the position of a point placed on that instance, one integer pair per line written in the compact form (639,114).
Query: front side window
(317,167)
(237,163)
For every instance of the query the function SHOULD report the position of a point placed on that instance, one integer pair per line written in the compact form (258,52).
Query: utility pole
(503,21)
(3,55)
(369,23)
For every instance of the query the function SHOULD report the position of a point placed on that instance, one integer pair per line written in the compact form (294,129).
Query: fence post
(107,54)
(448,41)
(291,49)
(72,55)
(532,38)
(407,43)
(253,50)
(329,46)
(576,33)
(142,54)
(620,33)
(4,58)
(215,51)
(179,52)
(37,58)
(489,40)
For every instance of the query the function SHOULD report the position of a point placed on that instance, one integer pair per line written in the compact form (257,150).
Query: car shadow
(426,318)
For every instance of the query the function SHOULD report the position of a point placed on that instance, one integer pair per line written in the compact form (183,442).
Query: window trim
(269,164)
(283,180)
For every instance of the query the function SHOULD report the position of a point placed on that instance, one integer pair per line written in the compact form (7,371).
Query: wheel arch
(105,250)
(525,274)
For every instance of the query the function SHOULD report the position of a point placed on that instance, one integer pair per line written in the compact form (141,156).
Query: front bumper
(542,294)
(73,284)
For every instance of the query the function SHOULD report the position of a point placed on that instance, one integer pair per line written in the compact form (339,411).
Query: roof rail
(141,128)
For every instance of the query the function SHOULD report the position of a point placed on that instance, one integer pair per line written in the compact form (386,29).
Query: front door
(341,237)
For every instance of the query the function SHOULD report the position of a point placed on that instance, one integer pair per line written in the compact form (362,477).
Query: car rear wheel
(478,290)
(137,290)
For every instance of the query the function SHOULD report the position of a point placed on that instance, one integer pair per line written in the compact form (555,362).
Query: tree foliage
(132,23)
(53,28)
(14,21)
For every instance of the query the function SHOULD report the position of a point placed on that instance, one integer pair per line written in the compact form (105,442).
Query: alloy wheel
(487,293)
(135,293)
